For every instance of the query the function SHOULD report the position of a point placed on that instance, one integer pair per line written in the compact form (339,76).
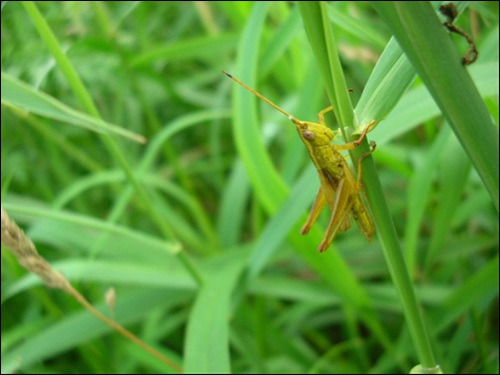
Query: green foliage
(198,229)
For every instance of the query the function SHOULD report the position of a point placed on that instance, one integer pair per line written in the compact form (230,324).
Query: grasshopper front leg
(351,145)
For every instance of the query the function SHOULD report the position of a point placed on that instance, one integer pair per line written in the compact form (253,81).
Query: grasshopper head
(315,134)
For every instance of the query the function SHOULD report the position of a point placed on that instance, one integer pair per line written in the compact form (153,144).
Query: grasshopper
(338,187)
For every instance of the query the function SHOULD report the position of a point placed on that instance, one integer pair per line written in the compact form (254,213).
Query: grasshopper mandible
(338,187)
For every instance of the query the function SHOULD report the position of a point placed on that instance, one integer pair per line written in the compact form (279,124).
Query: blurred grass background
(269,301)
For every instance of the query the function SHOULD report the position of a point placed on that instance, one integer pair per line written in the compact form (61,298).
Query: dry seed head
(21,246)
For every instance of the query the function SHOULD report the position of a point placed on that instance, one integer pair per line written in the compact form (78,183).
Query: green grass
(225,180)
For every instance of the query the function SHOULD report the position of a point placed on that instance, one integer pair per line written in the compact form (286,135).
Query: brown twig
(450,12)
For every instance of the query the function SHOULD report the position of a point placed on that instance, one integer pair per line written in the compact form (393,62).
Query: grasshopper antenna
(290,117)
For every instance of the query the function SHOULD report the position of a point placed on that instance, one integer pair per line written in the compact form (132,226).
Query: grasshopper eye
(309,135)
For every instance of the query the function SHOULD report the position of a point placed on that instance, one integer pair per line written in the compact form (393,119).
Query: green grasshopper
(338,187)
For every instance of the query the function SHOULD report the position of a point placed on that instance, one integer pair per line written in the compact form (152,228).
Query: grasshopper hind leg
(340,218)
(317,206)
